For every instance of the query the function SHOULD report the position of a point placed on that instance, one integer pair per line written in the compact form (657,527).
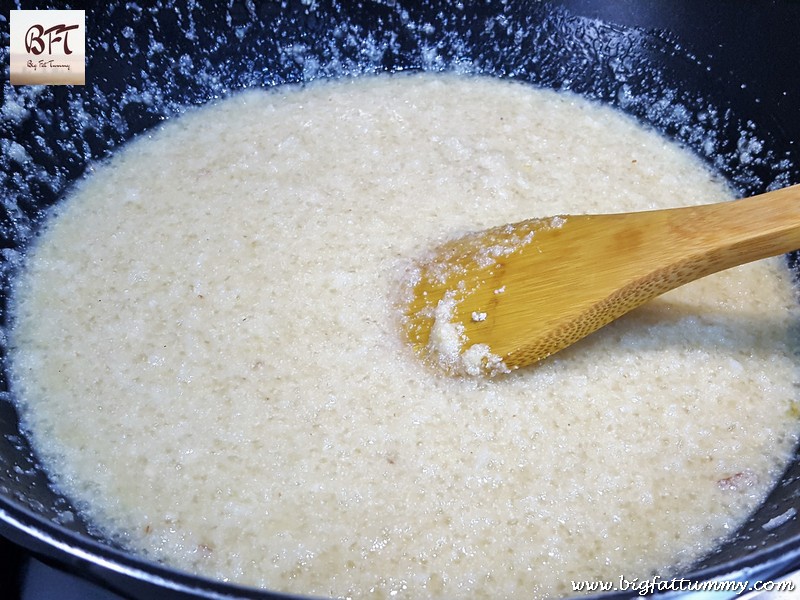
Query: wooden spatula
(515,294)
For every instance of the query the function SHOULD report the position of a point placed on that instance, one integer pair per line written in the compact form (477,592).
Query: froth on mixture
(207,352)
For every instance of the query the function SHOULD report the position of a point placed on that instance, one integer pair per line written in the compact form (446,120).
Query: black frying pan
(714,75)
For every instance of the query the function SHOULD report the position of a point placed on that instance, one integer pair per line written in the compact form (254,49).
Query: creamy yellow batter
(208,353)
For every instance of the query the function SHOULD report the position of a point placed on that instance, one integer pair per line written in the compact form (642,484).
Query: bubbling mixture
(208,354)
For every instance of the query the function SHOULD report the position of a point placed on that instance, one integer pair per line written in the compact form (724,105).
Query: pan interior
(63,131)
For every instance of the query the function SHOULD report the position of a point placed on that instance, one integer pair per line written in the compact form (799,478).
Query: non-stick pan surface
(720,77)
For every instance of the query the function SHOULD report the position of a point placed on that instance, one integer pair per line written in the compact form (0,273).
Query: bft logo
(35,38)
(48,47)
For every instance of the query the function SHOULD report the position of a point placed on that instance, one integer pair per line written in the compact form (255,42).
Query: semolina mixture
(208,352)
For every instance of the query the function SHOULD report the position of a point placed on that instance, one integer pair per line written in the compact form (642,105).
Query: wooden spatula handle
(743,230)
